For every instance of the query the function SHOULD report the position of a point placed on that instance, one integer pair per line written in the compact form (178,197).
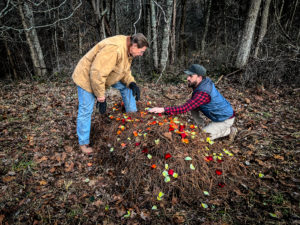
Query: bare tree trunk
(293,15)
(14,77)
(181,32)
(166,36)
(263,26)
(173,34)
(80,37)
(97,5)
(36,53)
(249,27)
(154,35)
(206,28)
(117,29)
(56,52)
(148,22)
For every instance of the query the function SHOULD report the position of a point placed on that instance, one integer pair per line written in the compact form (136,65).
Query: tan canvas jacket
(104,65)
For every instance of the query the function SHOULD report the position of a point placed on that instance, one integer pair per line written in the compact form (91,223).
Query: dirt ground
(45,179)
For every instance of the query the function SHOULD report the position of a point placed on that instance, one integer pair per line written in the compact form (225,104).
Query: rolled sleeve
(198,99)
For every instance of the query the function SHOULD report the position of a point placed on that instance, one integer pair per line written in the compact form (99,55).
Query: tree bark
(80,38)
(36,53)
(115,10)
(173,34)
(97,5)
(154,35)
(206,28)
(247,37)
(181,32)
(166,36)
(12,64)
(263,26)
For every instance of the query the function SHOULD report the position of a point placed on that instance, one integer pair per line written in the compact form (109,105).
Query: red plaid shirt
(199,98)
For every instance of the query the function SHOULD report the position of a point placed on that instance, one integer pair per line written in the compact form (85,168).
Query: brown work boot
(86,149)
(233,133)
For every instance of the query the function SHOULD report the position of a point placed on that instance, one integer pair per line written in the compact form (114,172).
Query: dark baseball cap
(196,69)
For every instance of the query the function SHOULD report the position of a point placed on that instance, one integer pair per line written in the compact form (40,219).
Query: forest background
(45,39)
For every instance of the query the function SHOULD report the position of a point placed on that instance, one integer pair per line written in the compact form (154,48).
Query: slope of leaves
(46,180)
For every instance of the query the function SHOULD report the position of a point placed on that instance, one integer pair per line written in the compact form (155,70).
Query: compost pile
(157,161)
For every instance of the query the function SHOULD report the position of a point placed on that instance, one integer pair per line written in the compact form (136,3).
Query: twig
(219,79)
(229,74)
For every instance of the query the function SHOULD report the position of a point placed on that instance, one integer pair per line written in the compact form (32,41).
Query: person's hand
(156,110)
(135,90)
(101,106)
(101,99)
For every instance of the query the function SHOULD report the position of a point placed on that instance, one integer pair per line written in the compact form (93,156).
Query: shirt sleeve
(104,62)
(128,78)
(198,99)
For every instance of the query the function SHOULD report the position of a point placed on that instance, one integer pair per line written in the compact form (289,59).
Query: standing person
(106,64)
(207,100)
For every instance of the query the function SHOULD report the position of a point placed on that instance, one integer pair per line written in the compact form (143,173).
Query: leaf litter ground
(147,168)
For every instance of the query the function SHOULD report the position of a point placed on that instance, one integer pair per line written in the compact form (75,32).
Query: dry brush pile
(162,160)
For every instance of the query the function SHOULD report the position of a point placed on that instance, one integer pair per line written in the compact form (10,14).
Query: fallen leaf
(167,156)
(179,218)
(192,167)
(258,98)
(167,179)
(69,166)
(205,206)
(219,172)
(168,135)
(44,158)
(170,172)
(8,179)
(43,182)
(153,166)
(185,140)
(98,203)
(174,200)
(145,215)
(279,157)
(2,218)
(68,148)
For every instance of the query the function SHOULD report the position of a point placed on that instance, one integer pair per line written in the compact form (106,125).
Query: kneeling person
(207,100)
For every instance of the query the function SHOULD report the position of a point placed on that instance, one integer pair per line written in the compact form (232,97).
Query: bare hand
(101,99)
(156,110)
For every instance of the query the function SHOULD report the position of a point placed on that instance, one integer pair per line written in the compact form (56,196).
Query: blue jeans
(86,106)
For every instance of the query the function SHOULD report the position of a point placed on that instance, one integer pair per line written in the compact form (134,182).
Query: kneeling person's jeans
(86,106)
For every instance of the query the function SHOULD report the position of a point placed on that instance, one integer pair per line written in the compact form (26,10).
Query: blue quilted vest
(218,109)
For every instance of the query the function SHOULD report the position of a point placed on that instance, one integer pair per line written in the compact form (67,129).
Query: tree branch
(5,28)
